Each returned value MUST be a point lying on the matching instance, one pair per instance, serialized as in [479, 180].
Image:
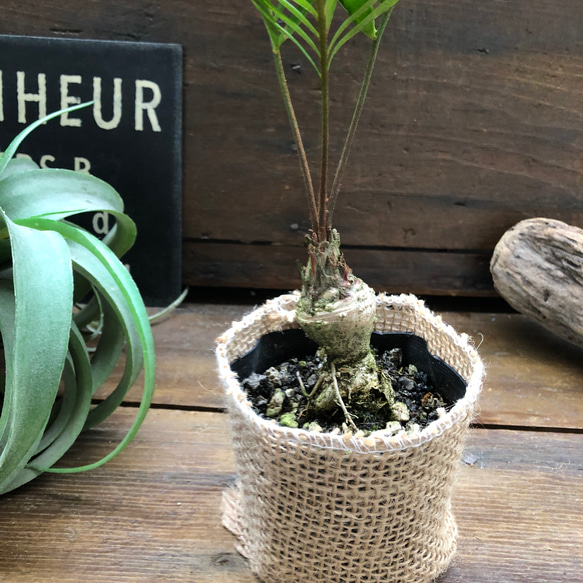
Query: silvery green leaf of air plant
[45, 263]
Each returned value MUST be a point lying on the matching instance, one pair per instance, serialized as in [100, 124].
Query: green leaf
[307, 6]
[17, 165]
[56, 193]
[329, 11]
[43, 284]
[360, 9]
[59, 194]
[293, 16]
[111, 340]
[44, 262]
[343, 35]
[68, 424]
[117, 321]
[132, 314]
[282, 24]
[13, 146]
[298, 10]
[7, 319]
[67, 402]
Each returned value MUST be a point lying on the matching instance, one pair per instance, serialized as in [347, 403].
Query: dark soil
[281, 393]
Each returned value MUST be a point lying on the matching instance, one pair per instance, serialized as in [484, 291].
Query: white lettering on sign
[114, 121]
[22, 96]
[147, 106]
[100, 223]
[80, 164]
[68, 100]
[100, 220]
[44, 161]
[147, 98]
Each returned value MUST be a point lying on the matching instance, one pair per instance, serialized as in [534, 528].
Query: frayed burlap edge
[277, 464]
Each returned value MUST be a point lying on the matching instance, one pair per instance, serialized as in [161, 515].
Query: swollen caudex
[341, 322]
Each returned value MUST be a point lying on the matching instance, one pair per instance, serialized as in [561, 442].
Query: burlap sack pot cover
[316, 507]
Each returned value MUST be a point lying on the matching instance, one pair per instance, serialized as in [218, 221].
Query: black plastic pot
[277, 347]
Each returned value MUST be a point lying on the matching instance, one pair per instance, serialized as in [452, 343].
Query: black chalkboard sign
[130, 137]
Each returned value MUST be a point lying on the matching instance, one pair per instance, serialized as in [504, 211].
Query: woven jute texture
[317, 507]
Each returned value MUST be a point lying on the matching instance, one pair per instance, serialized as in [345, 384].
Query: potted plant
[56, 280]
[369, 500]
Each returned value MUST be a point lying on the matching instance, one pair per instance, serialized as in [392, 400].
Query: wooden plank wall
[474, 122]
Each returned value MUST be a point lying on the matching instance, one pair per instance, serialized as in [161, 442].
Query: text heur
[147, 97]
[31, 104]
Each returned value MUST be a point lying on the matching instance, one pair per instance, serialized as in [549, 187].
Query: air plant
[336, 309]
[48, 265]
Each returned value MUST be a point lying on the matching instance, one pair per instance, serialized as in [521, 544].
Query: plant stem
[305, 168]
[355, 118]
[325, 96]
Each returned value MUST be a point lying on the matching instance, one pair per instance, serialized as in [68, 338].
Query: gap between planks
[474, 425]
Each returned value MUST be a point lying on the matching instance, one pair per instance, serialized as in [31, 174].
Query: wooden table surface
[152, 514]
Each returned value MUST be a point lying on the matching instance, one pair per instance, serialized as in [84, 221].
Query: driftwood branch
[537, 268]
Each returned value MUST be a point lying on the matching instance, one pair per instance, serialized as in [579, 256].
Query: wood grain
[149, 516]
[392, 270]
[473, 123]
[152, 513]
[186, 370]
[519, 509]
[533, 378]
